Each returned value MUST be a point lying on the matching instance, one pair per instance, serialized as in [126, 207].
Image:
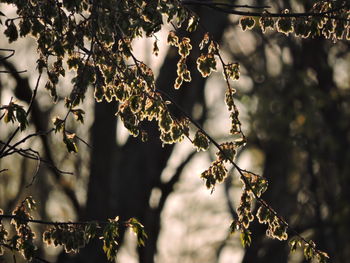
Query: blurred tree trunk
[302, 130]
[138, 176]
[122, 178]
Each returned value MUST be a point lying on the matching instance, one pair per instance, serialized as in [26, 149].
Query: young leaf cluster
[15, 113]
[72, 236]
[95, 40]
[23, 238]
[329, 19]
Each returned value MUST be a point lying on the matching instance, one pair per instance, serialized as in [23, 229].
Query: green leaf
[264, 215]
[234, 226]
[201, 141]
[246, 238]
[11, 31]
[204, 41]
[138, 230]
[192, 24]
[228, 151]
[294, 244]
[9, 114]
[232, 71]
[24, 27]
[172, 39]
[30, 202]
[58, 123]
[155, 50]
[21, 116]
[78, 114]
[109, 237]
[266, 22]
[206, 64]
[165, 121]
[184, 47]
[285, 24]
[309, 251]
[247, 22]
[70, 144]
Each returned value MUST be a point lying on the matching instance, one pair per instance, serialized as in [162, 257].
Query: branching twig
[29, 153]
[240, 171]
[3, 170]
[36, 170]
[194, 2]
[8, 151]
[6, 71]
[12, 52]
[14, 249]
[216, 6]
[2, 151]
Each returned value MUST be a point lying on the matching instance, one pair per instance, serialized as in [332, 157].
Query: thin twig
[25, 139]
[240, 171]
[191, 2]
[50, 223]
[6, 71]
[215, 6]
[56, 223]
[36, 170]
[3, 170]
[2, 151]
[81, 139]
[15, 249]
[30, 153]
[7, 50]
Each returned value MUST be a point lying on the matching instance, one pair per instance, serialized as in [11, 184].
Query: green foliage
[266, 22]
[232, 71]
[11, 31]
[294, 244]
[15, 112]
[245, 215]
[68, 139]
[23, 239]
[72, 236]
[246, 238]
[201, 141]
[216, 173]
[78, 114]
[109, 237]
[332, 25]
[95, 41]
[285, 25]
[206, 64]
[192, 23]
[247, 22]
[227, 151]
[138, 230]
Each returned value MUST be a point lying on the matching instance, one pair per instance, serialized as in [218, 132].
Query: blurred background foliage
[293, 97]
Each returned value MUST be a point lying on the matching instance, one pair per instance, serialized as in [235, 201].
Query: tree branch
[216, 6]
[2, 151]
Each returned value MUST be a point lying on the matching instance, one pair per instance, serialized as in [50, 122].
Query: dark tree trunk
[141, 164]
[102, 169]
[122, 179]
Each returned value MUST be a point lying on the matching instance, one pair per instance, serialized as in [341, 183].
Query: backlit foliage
[332, 24]
[95, 40]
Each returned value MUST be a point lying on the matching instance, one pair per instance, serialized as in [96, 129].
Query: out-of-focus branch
[38, 259]
[32, 154]
[2, 151]
[12, 52]
[23, 92]
[231, 9]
